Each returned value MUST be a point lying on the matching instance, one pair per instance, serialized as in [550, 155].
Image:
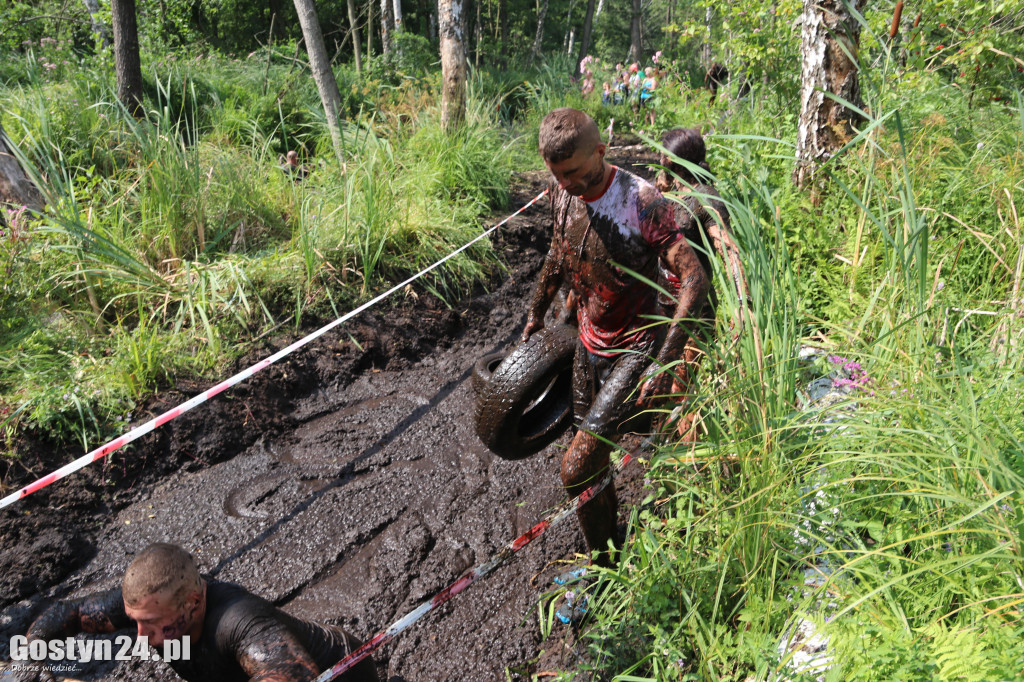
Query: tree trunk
[505, 42]
[634, 33]
[588, 25]
[542, 11]
[478, 31]
[707, 58]
[397, 4]
[568, 24]
[369, 30]
[322, 74]
[357, 48]
[127, 65]
[274, 10]
[387, 26]
[15, 186]
[98, 27]
[453, 64]
[829, 38]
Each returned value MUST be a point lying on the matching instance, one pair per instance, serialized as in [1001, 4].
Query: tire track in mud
[375, 495]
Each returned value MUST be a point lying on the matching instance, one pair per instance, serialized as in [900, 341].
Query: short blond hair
[161, 568]
[563, 132]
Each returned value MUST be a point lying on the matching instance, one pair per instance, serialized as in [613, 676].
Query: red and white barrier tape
[173, 413]
[471, 576]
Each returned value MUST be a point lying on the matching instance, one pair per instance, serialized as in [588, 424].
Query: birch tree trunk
[98, 27]
[387, 26]
[322, 74]
[453, 64]
[830, 40]
[568, 24]
[634, 33]
[127, 66]
[357, 48]
[369, 30]
[542, 11]
[478, 30]
[397, 5]
[15, 186]
[588, 25]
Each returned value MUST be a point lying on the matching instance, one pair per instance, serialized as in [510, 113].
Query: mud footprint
[245, 497]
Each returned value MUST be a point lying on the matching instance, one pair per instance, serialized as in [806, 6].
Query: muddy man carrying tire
[606, 221]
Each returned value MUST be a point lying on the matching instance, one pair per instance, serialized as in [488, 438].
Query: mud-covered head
[686, 144]
[164, 593]
[564, 132]
[571, 146]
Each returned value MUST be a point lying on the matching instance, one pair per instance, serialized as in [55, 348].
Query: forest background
[171, 242]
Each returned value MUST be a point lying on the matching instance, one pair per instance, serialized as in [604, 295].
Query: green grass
[171, 243]
[910, 490]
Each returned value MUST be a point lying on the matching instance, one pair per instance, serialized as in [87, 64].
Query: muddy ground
[344, 484]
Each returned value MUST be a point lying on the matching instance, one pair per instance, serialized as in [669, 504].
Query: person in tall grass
[703, 219]
[291, 166]
[715, 77]
[606, 221]
[232, 634]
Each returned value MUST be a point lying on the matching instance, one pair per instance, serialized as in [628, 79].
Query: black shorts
[605, 389]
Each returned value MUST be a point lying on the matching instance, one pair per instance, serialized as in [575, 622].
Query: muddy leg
[586, 463]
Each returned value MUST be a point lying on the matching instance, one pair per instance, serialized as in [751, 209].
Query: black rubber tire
[484, 369]
[527, 404]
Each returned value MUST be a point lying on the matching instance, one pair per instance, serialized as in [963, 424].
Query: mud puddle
[346, 487]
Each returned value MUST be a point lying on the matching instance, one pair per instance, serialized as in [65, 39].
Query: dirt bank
[344, 484]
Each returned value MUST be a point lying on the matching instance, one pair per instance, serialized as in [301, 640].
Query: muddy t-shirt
[701, 208]
[238, 628]
[627, 227]
[241, 627]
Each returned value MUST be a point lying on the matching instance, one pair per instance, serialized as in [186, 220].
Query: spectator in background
[714, 78]
[621, 89]
[635, 79]
[588, 83]
[647, 87]
[292, 168]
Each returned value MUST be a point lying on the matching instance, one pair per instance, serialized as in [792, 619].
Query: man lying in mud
[232, 634]
[606, 220]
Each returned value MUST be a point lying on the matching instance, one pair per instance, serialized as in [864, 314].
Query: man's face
[581, 174]
[159, 618]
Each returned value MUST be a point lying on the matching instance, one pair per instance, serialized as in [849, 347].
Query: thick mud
[345, 485]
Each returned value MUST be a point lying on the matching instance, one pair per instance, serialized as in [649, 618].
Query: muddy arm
[683, 262]
[277, 656]
[547, 288]
[726, 246]
[97, 613]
